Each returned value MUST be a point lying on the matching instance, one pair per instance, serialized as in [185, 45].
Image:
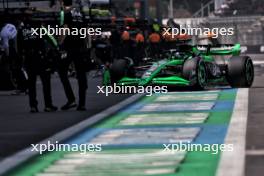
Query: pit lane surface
[133, 139]
[19, 128]
[255, 128]
[254, 162]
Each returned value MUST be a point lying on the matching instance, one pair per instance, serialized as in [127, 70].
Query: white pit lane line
[232, 163]
[258, 62]
[186, 97]
[165, 107]
[255, 152]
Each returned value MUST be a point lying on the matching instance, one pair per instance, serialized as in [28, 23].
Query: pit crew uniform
[36, 63]
[154, 41]
[140, 41]
[75, 48]
[8, 32]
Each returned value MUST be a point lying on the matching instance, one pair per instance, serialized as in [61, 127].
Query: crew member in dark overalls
[36, 63]
[127, 45]
[154, 42]
[140, 45]
[115, 41]
[75, 48]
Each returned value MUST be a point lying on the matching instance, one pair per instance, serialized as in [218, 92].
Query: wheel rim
[201, 75]
[249, 72]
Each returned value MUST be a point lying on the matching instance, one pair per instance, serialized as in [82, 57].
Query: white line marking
[258, 62]
[165, 107]
[171, 118]
[232, 163]
[259, 152]
[145, 136]
[186, 97]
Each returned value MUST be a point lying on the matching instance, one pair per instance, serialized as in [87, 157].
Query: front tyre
[194, 70]
[121, 68]
[118, 70]
[240, 72]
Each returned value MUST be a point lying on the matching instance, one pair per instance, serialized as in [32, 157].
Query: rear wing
[221, 49]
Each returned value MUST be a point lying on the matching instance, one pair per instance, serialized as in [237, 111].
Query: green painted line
[227, 96]
[192, 165]
[36, 164]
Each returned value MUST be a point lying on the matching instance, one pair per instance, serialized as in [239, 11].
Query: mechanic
[140, 45]
[127, 45]
[36, 63]
[103, 50]
[75, 48]
[8, 34]
[8, 46]
[154, 42]
[115, 41]
[19, 74]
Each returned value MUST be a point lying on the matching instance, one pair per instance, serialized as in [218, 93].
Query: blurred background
[18, 129]
[245, 16]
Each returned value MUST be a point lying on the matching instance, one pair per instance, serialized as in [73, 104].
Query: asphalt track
[19, 128]
[255, 128]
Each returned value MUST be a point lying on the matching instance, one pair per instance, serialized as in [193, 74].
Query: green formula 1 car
[186, 65]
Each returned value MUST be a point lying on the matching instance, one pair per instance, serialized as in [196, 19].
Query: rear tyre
[240, 72]
[194, 70]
